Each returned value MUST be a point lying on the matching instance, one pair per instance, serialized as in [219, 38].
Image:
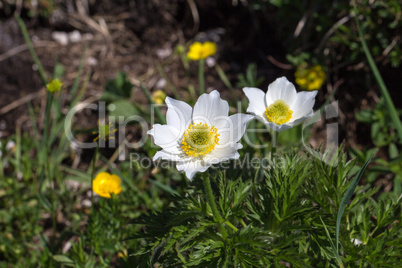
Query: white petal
[178, 114]
[210, 108]
[192, 167]
[278, 128]
[281, 89]
[166, 155]
[256, 98]
[300, 120]
[262, 119]
[223, 154]
[165, 136]
[303, 105]
[233, 132]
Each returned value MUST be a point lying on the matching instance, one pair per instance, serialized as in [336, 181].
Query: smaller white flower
[356, 241]
[281, 107]
[197, 138]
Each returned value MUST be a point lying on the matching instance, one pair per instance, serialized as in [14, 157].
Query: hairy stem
[214, 208]
[274, 137]
[93, 173]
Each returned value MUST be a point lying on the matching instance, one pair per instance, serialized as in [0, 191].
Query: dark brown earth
[136, 36]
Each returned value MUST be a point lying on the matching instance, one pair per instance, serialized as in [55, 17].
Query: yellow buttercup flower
[311, 78]
[54, 85]
[104, 131]
[159, 96]
[201, 50]
[106, 184]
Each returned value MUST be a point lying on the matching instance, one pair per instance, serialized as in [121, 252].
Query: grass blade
[337, 257]
[383, 88]
[158, 112]
[73, 97]
[346, 198]
[31, 49]
[223, 77]
[164, 187]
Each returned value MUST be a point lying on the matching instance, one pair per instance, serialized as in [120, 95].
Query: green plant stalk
[201, 78]
[45, 135]
[274, 138]
[18, 149]
[223, 76]
[93, 173]
[46, 144]
[384, 91]
[1, 168]
[186, 66]
[170, 85]
[31, 49]
[73, 97]
[212, 204]
[162, 119]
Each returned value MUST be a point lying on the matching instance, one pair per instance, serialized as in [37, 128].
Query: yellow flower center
[279, 112]
[199, 139]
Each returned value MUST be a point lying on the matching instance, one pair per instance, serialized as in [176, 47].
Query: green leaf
[164, 187]
[64, 260]
[118, 88]
[123, 108]
[365, 116]
[393, 151]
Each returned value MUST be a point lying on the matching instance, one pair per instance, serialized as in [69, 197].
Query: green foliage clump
[274, 220]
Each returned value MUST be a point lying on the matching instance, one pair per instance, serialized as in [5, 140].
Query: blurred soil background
[138, 37]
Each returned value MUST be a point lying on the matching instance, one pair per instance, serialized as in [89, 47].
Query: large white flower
[281, 107]
[197, 138]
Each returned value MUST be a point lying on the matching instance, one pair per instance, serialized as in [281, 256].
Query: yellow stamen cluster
[199, 139]
[279, 112]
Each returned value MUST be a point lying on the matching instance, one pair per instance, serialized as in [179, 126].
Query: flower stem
[93, 174]
[45, 141]
[214, 208]
[274, 136]
[201, 76]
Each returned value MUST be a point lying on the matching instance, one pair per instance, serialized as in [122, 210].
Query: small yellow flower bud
[54, 85]
[159, 96]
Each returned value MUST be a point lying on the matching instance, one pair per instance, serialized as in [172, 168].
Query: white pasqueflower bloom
[281, 107]
[197, 138]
